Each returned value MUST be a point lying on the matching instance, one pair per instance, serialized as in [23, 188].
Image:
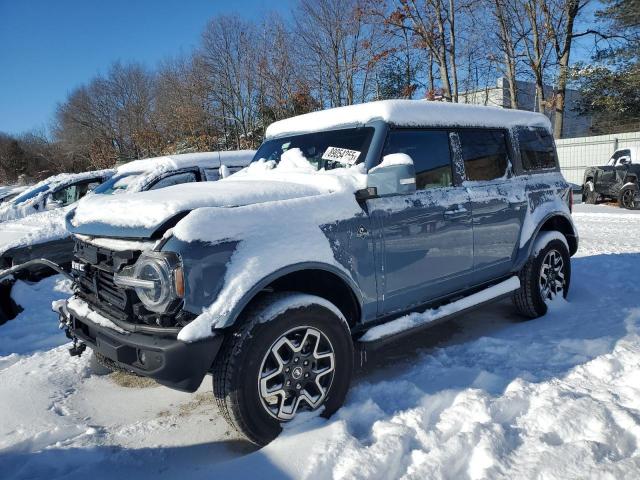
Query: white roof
[408, 113]
[236, 158]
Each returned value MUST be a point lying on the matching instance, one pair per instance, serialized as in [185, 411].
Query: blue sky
[48, 47]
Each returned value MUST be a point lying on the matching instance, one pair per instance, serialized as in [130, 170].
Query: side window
[484, 153]
[66, 196]
[430, 152]
[536, 148]
[212, 174]
[175, 179]
[622, 157]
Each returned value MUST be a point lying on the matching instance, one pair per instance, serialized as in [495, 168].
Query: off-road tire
[237, 366]
[589, 194]
[623, 200]
[528, 299]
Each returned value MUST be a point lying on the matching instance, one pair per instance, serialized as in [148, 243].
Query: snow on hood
[259, 183]
[408, 113]
[10, 210]
[274, 234]
[34, 229]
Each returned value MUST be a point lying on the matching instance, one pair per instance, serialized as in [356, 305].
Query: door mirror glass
[624, 160]
[395, 175]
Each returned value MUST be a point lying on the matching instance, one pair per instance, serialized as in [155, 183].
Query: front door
[426, 236]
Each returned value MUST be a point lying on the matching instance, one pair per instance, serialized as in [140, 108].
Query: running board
[408, 324]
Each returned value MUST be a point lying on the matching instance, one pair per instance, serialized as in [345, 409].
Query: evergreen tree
[610, 87]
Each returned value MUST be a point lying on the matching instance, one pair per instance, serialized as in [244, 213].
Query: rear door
[427, 238]
[498, 202]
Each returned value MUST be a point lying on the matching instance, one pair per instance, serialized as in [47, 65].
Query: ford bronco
[618, 179]
[351, 227]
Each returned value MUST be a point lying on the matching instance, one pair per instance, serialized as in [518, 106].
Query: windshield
[324, 150]
[117, 183]
[31, 193]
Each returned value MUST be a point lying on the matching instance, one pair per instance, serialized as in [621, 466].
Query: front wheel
[627, 198]
[545, 277]
[292, 353]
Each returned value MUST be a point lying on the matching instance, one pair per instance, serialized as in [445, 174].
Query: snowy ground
[484, 396]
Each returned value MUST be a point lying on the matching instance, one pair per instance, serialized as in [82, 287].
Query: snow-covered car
[44, 235]
[9, 192]
[618, 179]
[160, 172]
[52, 193]
[352, 227]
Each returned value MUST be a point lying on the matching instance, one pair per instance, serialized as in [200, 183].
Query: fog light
[142, 357]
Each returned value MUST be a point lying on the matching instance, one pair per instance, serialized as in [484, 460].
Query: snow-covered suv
[352, 226]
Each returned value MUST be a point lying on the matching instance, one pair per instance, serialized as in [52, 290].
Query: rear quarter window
[537, 150]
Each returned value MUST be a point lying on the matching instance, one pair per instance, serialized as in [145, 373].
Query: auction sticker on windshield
[342, 155]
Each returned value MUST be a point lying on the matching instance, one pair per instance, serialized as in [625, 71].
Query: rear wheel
[589, 194]
[627, 198]
[545, 277]
[280, 362]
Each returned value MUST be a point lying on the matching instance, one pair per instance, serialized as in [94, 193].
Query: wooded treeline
[246, 74]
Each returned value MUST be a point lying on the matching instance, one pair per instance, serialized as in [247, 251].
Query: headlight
[157, 278]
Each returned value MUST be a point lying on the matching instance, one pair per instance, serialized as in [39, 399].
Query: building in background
[575, 125]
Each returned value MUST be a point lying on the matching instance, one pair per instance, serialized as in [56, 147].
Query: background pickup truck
[617, 180]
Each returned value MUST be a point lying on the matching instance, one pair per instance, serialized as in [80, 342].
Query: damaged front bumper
[169, 361]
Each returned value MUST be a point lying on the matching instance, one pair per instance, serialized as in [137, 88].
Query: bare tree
[560, 17]
[227, 59]
[508, 40]
[110, 118]
[336, 47]
[532, 29]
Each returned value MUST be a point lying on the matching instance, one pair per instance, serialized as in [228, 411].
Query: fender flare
[525, 251]
[234, 313]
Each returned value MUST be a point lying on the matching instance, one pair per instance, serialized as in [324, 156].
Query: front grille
[95, 280]
[96, 287]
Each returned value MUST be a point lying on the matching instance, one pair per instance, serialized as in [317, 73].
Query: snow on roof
[202, 159]
[66, 178]
[408, 113]
[23, 204]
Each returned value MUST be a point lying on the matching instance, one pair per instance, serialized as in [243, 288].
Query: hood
[145, 214]
[9, 211]
[141, 214]
[33, 230]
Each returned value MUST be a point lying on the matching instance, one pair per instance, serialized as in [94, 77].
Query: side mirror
[51, 204]
[624, 160]
[395, 175]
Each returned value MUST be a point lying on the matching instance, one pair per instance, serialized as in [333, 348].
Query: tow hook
[77, 349]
